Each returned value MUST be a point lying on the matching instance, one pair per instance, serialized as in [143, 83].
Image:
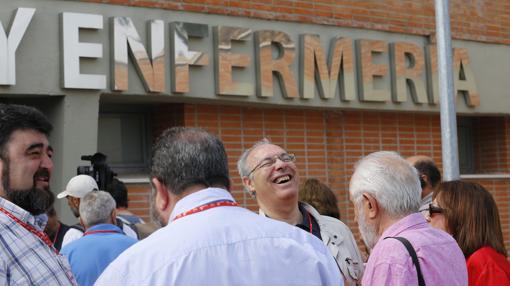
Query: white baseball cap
[79, 186]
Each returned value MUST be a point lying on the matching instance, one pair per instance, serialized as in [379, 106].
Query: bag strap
[414, 257]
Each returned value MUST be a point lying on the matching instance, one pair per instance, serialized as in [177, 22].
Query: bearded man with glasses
[269, 174]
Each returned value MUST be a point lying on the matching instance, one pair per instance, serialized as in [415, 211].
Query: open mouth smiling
[282, 179]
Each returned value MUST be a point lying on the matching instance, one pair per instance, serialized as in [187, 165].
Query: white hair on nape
[96, 208]
[390, 179]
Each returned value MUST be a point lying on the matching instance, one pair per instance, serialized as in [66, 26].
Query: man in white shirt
[207, 239]
[76, 189]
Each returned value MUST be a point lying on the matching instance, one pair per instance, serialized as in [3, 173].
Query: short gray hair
[390, 179]
[96, 207]
[241, 163]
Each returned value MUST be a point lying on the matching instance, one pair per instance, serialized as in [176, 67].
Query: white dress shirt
[224, 245]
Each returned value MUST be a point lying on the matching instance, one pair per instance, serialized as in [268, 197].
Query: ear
[114, 216]
[83, 224]
[162, 199]
[370, 205]
[247, 183]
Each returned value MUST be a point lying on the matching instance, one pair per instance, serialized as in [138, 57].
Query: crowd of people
[417, 229]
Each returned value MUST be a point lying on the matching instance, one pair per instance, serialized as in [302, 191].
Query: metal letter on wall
[340, 71]
[432, 77]
[151, 70]
[73, 50]
[225, 60]
[369, 71]
[408, 77]
[266, 65]
[182, 57]
[464, 80]
[9, 44]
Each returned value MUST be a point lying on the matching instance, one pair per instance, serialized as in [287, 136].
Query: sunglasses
[432, 209]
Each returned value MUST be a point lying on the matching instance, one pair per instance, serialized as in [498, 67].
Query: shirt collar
[408, 222]
[105, 226]
[22, 214]
[200, 198]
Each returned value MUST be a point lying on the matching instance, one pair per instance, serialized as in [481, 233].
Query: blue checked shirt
[24, 258]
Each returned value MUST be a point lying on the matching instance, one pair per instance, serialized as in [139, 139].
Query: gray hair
[241, 163]
[96, 207]
[391, 180]
[183, 157]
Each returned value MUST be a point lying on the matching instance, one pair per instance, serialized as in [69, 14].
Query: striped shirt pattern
[24, 258]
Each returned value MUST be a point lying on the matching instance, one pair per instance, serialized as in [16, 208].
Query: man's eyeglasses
[268, 162]
[432, 209]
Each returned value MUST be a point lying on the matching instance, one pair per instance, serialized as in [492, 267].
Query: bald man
[430, 177]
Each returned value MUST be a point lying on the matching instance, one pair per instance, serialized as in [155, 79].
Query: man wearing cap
[76, 189]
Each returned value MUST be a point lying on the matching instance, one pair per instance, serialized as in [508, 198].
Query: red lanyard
[221, 203]
[56, 234]
[30, 228]
[100, 231]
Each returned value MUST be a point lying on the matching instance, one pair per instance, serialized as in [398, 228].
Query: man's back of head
[389, 179]
[429, 173]
[96, 208]
[119, 193]
[184, 157]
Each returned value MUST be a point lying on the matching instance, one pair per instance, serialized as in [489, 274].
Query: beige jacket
[341, 243]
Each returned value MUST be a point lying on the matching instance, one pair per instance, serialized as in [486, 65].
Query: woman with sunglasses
[469, 213]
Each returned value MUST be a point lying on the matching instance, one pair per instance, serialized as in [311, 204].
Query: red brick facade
[327, 143]
[485, 21]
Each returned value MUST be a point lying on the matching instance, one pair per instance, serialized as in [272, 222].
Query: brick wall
[326, 144]
[484, 20]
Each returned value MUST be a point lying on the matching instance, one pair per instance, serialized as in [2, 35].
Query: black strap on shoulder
[410, 249]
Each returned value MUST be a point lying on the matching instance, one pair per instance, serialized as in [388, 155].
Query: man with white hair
[102, 241]
[386, 194]
[270, 175]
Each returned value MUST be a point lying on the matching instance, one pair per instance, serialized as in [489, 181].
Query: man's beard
[155, 216]
[33, 200]
[368, 232]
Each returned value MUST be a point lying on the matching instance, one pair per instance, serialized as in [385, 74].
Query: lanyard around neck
[100, 231]
[215, 204]
[41, 235]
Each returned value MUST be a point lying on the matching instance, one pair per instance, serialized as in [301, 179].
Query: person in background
[319, 196]
[430, 178]
[77, 187]
[469, 213]
[406, 250]
[27, 256]
[206, 238]
[119, 193]
[102, 241]
[55, 229]
[269, 174]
